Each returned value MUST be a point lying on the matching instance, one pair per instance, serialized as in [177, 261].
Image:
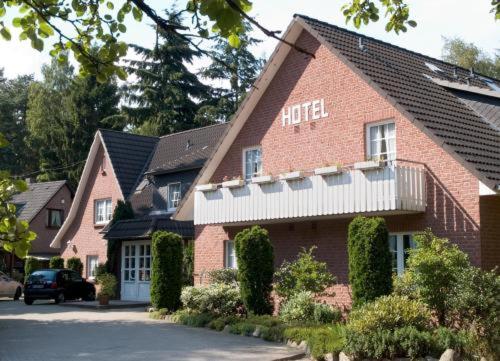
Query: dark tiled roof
[185, 150]
[142, 228]
[31, 202]
[129, 155]
[404, 76]
[486, 107]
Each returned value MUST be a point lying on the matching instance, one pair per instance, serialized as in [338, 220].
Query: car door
[76, 281]
[4, 285]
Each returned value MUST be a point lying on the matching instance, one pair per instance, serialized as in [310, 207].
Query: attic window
[493, 85]
[434, 68]
[103, 165]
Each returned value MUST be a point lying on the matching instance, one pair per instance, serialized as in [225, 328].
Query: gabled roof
[185, 150]
[407, 80]
[31, 202]
[129, 155]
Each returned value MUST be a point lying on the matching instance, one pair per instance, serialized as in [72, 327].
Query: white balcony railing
[391, 189]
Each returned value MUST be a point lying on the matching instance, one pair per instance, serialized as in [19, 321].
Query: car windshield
[38, 276]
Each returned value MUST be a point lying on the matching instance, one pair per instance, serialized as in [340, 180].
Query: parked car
[10, 287]
[57, 284]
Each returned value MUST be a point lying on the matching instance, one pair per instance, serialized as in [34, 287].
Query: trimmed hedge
[75, 264]
[370, 269]
[30, 265]
[255, 256]
[166, 273]
[56, 262]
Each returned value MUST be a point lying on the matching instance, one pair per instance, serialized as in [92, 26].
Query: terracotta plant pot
[103, 300]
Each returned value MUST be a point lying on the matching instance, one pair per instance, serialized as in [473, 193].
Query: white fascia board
[186, 210]
[484, 190]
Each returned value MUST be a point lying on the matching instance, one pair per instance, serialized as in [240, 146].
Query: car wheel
[28, 301]
[59, 298]
[19, 291]
[90, 296]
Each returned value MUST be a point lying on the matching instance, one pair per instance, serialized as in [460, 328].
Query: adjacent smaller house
[44, 205]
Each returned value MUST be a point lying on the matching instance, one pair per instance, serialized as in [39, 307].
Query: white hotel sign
[298, 113]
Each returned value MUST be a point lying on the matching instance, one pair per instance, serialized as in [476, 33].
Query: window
[55, 218]
[381, 141]
[92, 263]
[230, 261]
[174, 196]
[252, 159]
[399, 244]
[103, 211]
[129, 263]
[144, 263]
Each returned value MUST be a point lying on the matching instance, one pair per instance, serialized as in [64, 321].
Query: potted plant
[107, 283]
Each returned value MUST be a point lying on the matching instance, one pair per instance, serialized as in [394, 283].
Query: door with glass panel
[136, 271]
[399, 244]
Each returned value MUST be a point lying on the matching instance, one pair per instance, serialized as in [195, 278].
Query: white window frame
[172, 209]
[91, 258]
[108, 211]
[368, 126]
[244, 167]
[400, 257]
[226, 255]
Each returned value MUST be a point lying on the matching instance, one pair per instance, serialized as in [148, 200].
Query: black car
[57, 284]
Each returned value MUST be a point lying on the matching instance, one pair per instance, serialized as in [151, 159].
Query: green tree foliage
[122, 211]
[75, 264]
[31, 264]
[166, 273]
[65, 111]
[166, 95]
[237, 65]
[370, 268]
[469, 56]
[305, 274]
[188, 264]
[18, 158]
[15, 235]
[255, 256]
[432, 271]
[56, 262]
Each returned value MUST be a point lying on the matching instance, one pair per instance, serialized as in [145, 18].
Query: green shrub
[158, 315]
[100, 269]
[218, 324]
[228, 276]
[320, 339]
[166, 273]
[370, 268]
[445, 338]
[242, 328]
[75, 264]
[324, 313]
[108, 283]
[298, 308]
[192, 319]
[217, 299]
[274, 333]
[30, 265]
[264, 320]
[56, 262]
[303, 274]
[255, 256]
[389, 313]
[188, 264]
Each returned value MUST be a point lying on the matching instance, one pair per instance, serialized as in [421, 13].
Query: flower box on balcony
[263, 179]
[324, 171]
[291, 176]
[369, 164]
[206, 187]
[234, 183]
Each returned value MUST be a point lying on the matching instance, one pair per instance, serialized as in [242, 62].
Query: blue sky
[467, 19]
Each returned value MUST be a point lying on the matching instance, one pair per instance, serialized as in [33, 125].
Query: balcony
[367, 190]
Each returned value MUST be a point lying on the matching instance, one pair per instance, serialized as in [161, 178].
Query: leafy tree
[255, 256]
[370, 267]
[164, 98]
[239, 66]
[188, 264]
[65, 112]
[75, 264]
[166, 272]
[469, 56]
[56, 262]
[15, 235]
[18, 158]
[122, 211]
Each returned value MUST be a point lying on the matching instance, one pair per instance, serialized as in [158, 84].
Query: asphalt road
[47, 332]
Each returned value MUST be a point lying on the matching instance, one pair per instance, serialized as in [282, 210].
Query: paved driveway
[47, 332]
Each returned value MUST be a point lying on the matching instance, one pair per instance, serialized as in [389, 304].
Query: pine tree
[239, 67]
[167, 95]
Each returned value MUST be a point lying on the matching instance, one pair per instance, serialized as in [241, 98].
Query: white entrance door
[136, 270]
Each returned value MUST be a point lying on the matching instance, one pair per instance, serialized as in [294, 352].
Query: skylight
[493, 85]
[434, 68]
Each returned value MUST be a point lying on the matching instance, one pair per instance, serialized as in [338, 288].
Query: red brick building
[360, 128]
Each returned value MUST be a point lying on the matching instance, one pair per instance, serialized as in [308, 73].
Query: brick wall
[45, 235]
[83, 233]
[453, 195]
